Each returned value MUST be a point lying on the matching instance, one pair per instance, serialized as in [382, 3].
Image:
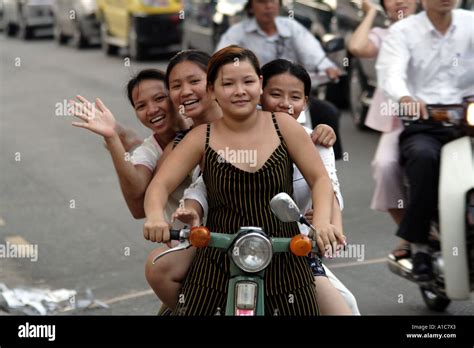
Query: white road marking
[358, 263]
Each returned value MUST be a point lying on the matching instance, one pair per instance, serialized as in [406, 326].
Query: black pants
[420, 149]
[323, 112]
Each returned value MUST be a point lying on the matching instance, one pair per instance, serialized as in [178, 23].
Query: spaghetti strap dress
[239, 198]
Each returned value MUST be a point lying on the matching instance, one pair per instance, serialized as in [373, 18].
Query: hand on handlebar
[329, 239]
[156, 230]
[410, 107]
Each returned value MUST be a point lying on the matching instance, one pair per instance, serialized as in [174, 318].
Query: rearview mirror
[285, 208]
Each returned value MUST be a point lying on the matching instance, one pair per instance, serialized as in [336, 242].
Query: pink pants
[388, 175]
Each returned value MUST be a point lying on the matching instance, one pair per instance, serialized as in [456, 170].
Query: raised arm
[133, 179]
[308, 161]
[180, 162]
[359, 44]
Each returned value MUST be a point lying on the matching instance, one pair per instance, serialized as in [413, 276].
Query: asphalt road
[59, 190]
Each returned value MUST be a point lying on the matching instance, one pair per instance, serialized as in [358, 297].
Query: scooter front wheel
[434, 301]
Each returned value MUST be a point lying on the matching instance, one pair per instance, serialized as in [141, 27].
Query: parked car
[76, 20]
[25, 17]
[140, 26]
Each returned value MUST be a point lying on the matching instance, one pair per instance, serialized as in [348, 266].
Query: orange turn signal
[301, 245]
[199, 236]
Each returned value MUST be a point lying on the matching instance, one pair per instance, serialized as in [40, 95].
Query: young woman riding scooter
[186, 81]
[237, 88]
[286, 87]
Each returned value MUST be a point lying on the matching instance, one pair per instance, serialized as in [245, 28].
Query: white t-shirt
[148, 154]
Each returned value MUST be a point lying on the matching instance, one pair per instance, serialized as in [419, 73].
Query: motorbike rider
[425, 59]
[186, 82]
[271, 36]
[286, 88]
[237, 88]
[386, 171]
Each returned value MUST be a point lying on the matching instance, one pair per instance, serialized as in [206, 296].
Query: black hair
[146, 74]
[248, 7]
[199, 57]
[282, 66]
[382, 3]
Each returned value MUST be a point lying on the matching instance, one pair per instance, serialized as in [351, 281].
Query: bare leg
[167, 274]
[330, 300]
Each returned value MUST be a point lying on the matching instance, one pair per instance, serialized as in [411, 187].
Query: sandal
[403, 251]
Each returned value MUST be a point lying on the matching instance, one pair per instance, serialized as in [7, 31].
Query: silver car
[75, 20]
[26, 16]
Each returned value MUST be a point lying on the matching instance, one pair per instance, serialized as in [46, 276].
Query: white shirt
[418, 61]
[301, 190]
[294, 41]
[147, 154]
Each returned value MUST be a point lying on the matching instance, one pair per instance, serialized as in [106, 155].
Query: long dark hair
[200, 58]
[282, 66]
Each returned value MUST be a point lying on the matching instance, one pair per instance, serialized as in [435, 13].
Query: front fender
[456, 178]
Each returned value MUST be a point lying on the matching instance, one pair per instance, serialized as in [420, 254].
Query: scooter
[250, 249]
[452, 249]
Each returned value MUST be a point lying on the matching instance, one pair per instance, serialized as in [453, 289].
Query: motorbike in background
[452, 247]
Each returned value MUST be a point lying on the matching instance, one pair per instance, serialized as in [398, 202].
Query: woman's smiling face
[187, 88]
[237, 88]
[284, 93]
[152, 105]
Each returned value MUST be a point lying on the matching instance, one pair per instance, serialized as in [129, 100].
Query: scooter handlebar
[174, 234]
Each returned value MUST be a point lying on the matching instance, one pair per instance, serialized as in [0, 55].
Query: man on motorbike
[424, 60]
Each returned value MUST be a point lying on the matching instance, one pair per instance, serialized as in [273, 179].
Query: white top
[292, 42]
[148, 154]
[301, 190]
[416, 60]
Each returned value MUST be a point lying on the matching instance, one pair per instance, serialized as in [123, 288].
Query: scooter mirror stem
[304, 221]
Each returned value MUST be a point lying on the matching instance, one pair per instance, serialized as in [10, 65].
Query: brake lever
[184, 244]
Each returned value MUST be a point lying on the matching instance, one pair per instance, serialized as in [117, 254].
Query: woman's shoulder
[284, 120]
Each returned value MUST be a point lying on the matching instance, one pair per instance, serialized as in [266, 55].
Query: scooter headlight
[252, 252]
[470, 115]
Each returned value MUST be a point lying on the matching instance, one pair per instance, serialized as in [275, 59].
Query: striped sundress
[239, 198]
